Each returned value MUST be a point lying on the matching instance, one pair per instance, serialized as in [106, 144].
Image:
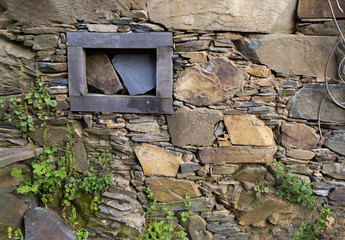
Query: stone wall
[247, 89]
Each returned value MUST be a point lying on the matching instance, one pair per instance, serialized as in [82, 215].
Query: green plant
[82, 233]
[310, 230]
[105, 160]
[15, 234]
[163, 229]
[260, 189]
[292, 188]
[36, 103]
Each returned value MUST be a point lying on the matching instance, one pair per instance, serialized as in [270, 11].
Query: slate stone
[248, 130]
[137, 70]
[9, 183]
[196, 227]
[224, 228]
[144, 127]
[42, 223]
[297, 54]
[237, 154]
[80, 155]
[235, 16]
[326, 28]
[169, 190]
[189, 167]
[45, 42]
[300, 154]
[193, 127]
[47, 67]
[334, 170]
[54, 136]
[101, 75]
[261, 212]
[12, 211]
[305, 103]
[324, 155]
[158, 137]
[192, 46]
[157, 161]
[338, 194]
[261, 110]
[101, 28]
[15, 154]
[337, 144]
[212, 82]
[201, 204]
[225, 169]
[247, 104]
[250, 174]
[298, 135]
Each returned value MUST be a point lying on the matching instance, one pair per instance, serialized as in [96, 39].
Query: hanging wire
[341, 68]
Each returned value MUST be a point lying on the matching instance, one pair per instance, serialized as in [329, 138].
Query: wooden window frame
[82, 101]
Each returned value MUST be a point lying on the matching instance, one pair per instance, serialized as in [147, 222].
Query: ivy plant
[164, 229]
[36, 103]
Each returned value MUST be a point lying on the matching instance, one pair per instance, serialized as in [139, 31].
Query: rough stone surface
[335, 170]
[298, 135]
[261, 212]
[337, 144]
[305, 103]
[137, 69]
[225, 169]
[156, 161]
[189, 167]
[297, 54]
[191, 46]
[15, 154]
[248, 130]
[145, 127]
[7, 182]
[212, 82]
[44, 42]
[54, 136]
[158, 137]
[198, 205]
[326, 28]
[42, 223]
[300, 154]
[65, 11]
[81, 160]
[193, 127]
[196, 227]
[324, 155]
[168, 190]
[11, 213]
[237, 154]
[338, 195]
[250, 174]
[101, 75]
[238, 16]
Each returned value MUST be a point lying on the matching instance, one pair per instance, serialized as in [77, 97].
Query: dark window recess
[129, 72]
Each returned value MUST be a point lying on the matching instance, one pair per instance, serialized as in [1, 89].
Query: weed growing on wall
[296, 191]
[16, 234]
[34, 104]
[260, 189]
[164, 229]
[55, 177]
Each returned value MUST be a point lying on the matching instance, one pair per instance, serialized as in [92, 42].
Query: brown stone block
[237, 154]
[101, 75]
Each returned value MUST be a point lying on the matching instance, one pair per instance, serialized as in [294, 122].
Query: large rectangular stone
[225, 15]
[292, 54]
[237, 154]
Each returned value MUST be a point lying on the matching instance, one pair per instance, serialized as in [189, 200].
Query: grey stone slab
[137, 70]
[337, 144]
[15, 154]
[42, 223]
[306, 102]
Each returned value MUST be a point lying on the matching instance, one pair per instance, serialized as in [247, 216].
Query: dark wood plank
[309, 9]
[76, 71]
[120, 104]
[119, 40]
[164, 72]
